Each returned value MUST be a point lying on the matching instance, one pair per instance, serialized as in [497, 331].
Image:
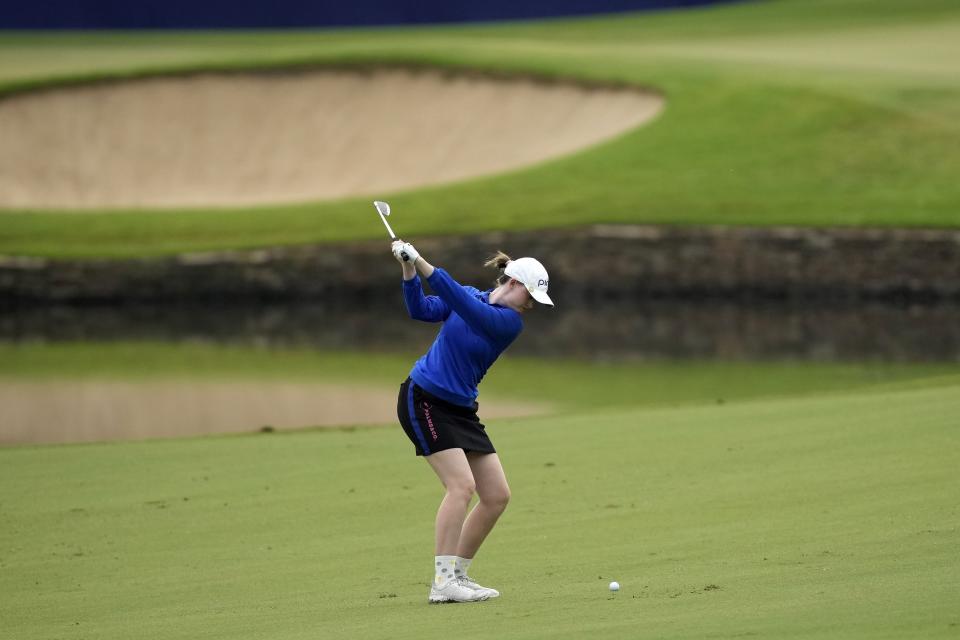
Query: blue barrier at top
[216, 14]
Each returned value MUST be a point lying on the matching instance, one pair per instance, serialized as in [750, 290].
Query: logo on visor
[543, 283]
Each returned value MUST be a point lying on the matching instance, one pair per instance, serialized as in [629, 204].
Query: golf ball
[614, 586]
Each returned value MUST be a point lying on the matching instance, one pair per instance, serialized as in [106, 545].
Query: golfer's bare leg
[454, 471]
[494, 494]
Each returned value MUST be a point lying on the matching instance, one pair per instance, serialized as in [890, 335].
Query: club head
[382, 207]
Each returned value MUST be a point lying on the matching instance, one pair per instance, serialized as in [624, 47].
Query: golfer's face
[520, 299]
[529, 301]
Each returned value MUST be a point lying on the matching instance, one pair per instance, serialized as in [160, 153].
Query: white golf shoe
[468, 582]
[454, 591]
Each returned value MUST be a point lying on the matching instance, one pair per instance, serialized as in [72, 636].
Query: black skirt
[433, 424]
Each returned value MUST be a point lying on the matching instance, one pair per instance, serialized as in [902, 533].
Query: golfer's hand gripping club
[396, 247]
[405, 251]
[409, 253]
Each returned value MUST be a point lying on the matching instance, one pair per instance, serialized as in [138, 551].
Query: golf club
[384, 210]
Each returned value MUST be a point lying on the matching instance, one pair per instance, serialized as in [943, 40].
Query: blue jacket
[473, 335]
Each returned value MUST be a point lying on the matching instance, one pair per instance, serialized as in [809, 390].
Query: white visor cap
[531, 273]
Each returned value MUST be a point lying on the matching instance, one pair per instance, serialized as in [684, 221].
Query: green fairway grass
[825, 112]
[827, 516]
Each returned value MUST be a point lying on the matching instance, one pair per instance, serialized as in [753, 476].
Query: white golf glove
[406, 252]
[395, 249]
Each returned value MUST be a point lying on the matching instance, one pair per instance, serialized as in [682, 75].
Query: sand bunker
[95, 410]
[232, 139]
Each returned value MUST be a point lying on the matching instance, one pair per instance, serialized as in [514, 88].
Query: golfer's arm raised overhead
[421, 307]
[499, 324]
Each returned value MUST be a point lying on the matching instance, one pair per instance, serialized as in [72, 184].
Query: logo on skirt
[426, 414]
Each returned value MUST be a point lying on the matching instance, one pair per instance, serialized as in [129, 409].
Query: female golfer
[437, 405]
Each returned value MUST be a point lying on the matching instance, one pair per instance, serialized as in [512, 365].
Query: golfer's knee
[496, 500]
[462, 490]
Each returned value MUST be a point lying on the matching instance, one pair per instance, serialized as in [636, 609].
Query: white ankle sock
[461, 566]
[443, 569]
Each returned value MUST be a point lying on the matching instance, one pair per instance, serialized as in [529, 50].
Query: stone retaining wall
[655, 329]
[599, 262]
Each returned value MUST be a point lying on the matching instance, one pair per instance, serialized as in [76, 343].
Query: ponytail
[499, 261]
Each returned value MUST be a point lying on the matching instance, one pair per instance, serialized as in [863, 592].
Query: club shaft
[387, 225]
